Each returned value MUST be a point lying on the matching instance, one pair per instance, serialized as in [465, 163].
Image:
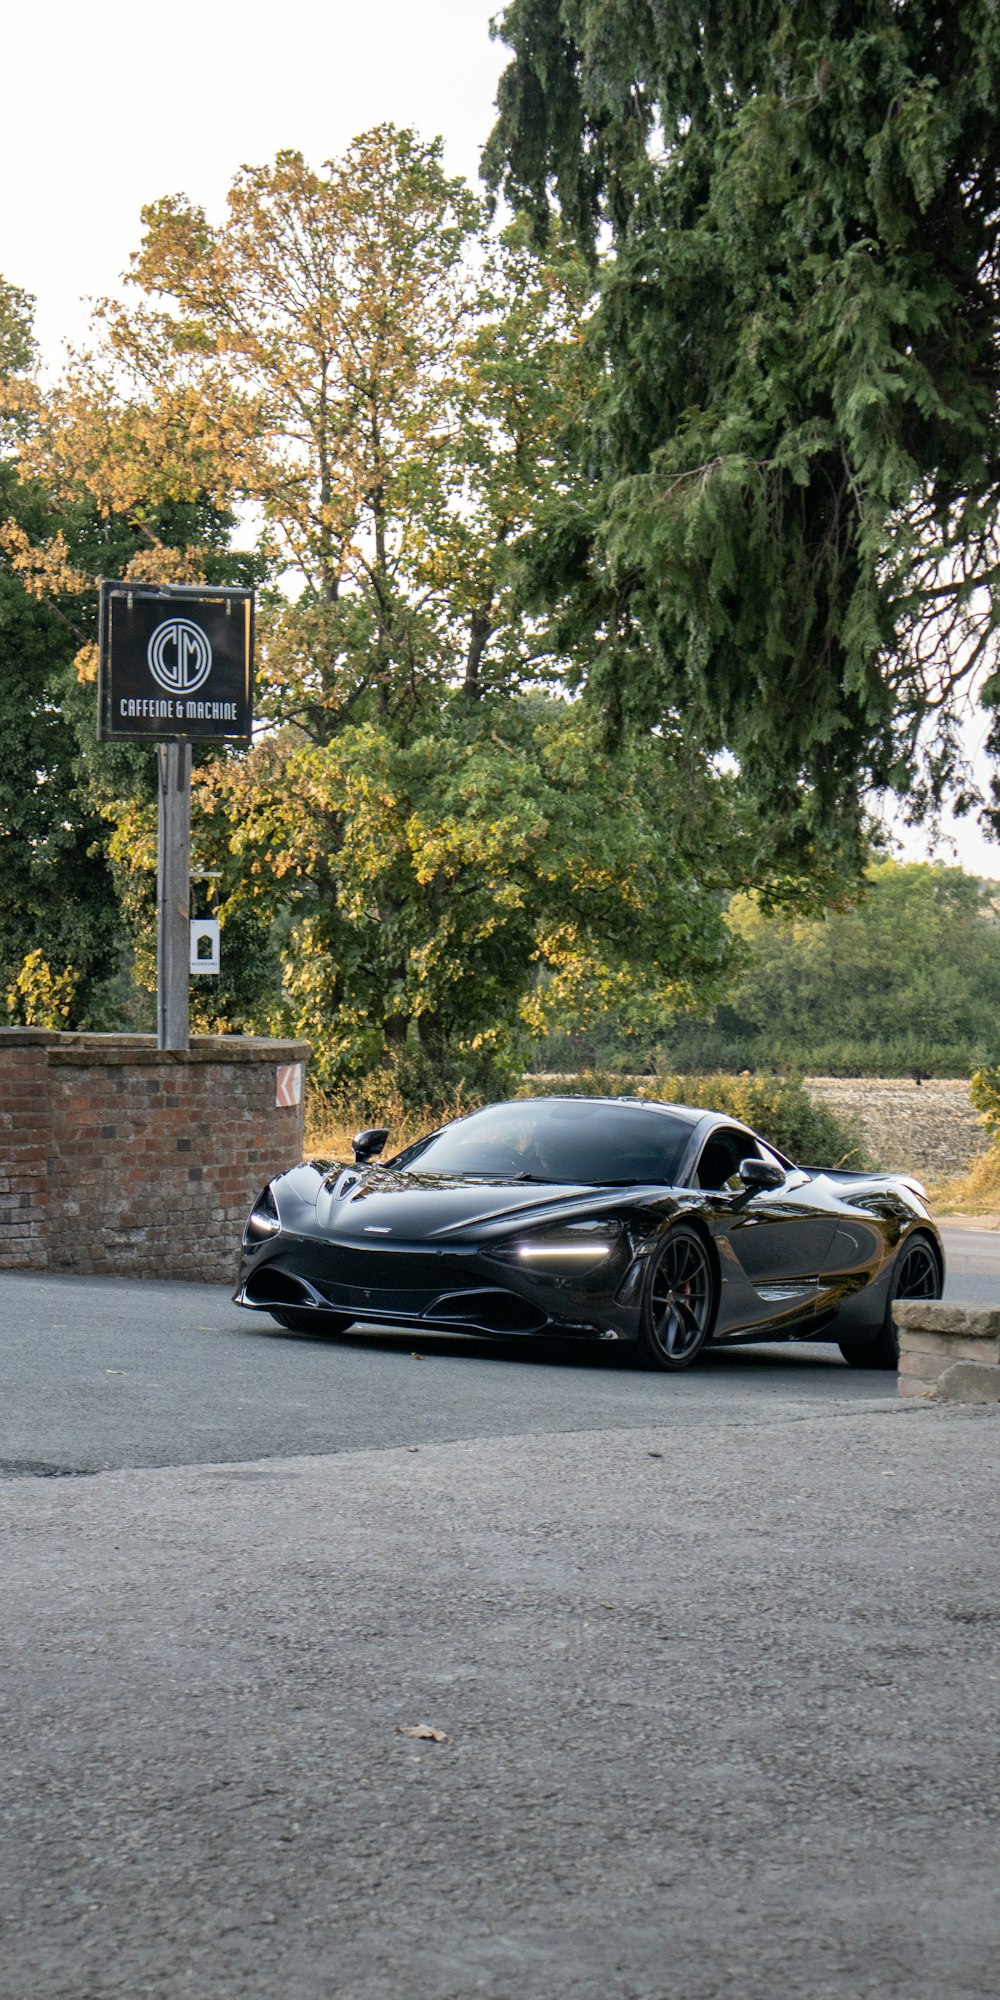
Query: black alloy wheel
[917, 1276]
[310, 1322]
[679, 1306]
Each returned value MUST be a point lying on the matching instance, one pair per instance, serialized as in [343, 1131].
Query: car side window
[719, 1164]
[720, 1158]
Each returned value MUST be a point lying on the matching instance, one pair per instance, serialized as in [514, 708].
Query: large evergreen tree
[797, 457]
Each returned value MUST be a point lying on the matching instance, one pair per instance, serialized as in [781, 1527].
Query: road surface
[714, 1659]
[97, 1373]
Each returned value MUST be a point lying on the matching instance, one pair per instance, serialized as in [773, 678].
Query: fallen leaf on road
[423, 1732]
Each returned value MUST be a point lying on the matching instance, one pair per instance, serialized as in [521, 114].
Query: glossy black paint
[811, 1257]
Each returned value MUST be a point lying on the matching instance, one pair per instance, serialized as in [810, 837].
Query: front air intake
[486, 1312]
[269, 1287]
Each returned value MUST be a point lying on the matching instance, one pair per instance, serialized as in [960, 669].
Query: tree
[424, 828]
[103, 480]
[356, 358]
[424, 823]
[59, 927]
[792, 528]
[905, 981]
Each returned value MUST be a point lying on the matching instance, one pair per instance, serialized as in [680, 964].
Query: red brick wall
[24, 1136]
[152, 1158]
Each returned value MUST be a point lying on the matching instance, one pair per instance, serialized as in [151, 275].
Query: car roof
[685, 1112]
[698, 1117]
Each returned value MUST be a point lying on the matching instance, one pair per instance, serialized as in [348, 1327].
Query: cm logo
[179, 655]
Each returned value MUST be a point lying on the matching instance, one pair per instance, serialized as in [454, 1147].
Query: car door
[779, 1236]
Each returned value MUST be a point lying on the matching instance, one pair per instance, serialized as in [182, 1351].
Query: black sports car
[602, 1218]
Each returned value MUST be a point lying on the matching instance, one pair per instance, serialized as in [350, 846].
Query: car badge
[376, 1229]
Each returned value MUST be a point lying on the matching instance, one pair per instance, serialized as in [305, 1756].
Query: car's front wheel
[310, 1322]
[679, 1304]
[917, 1276]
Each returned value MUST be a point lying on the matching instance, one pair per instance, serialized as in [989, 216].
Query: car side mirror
[757, 1175]
[369, 1144]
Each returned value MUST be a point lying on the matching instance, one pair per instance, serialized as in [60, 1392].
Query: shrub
[984, 1091]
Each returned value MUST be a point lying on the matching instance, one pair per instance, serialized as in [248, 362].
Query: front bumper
[454, 1290]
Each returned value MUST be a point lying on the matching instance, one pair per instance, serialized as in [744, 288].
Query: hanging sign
[176, 664]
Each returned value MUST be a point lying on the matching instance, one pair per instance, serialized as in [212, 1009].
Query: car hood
[371, 1203]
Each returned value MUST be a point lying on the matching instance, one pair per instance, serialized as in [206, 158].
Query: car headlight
[262, 1220]
[576, 1247]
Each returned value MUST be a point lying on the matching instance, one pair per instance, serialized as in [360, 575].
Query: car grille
[393, 1274]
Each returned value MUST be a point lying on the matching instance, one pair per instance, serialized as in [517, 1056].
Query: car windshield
[557, 1139]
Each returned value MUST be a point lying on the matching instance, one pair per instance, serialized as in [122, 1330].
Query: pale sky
[108, 104]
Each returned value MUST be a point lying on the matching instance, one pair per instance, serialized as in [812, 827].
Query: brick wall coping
[948, 1353]
[932, 1316]
[115, 1051]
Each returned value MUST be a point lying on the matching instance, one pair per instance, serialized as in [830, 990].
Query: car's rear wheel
[679, 1304]
[917, 1276]
[310, 1322]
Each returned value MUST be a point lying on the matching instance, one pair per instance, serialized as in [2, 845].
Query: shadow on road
[604, 1355]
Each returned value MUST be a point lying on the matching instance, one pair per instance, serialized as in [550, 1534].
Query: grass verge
[974, 1192]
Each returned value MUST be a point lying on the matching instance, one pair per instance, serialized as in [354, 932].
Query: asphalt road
[98, 1373]
[715, 1660]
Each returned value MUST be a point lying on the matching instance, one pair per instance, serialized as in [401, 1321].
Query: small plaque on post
[204, 945]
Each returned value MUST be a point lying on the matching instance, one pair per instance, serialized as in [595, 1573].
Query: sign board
[176, 663]
[205, 945]
[287, 1085]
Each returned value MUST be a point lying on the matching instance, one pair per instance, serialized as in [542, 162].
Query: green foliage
[18, 351]
[59, 928]
[77, 819]
[427, 882]
[410, 1094]
[906, 979]
[984, 1091]
[779, 1108]
[792, 536]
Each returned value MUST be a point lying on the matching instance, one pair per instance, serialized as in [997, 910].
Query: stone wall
[948, 1353]
[120, 1158]
[929, 1128]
